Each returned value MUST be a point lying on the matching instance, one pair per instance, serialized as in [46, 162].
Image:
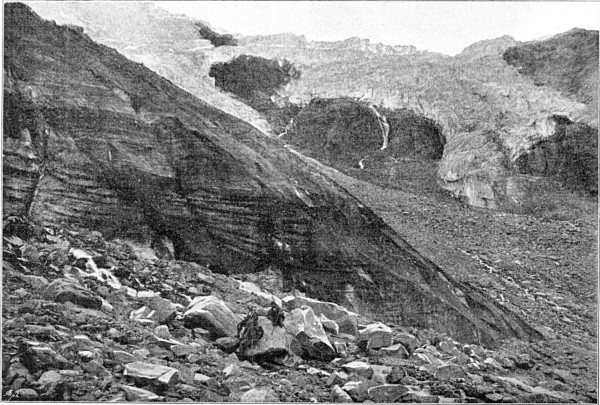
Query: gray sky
[446, 27]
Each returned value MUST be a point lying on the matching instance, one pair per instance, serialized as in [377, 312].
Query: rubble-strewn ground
[76, 326]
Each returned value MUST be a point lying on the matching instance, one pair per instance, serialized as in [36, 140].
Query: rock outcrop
[567, 62]
[343, 130]
[570, 154]
[116, 147]
[488, 113]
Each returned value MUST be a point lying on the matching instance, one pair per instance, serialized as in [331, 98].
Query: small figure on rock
[275, 315]
[252, 316]
[251, 331]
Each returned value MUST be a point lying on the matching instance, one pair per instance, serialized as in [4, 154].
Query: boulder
[450, 372]
[164, 310]
[273, 344]
[162, 331]
[41, 357]
[231, 370]
[26, 394]
[337, 378]
[410, 342]
[397, 350]
[387, 392]
[49, 378]
[201, 378]
[63, 290]
[94, 367]
[347, 321]
[307, 328]
[375, 336]
[263, 298]
[259, 395]
[329, 325]
[122, 357]
[338, 395]
[358, 390]
[360, 368]
[213, 315]
[138, 394]
[227, 344]
[151, 372]
[396, 375]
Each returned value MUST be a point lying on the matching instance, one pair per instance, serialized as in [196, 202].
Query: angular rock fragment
[122, 357]
[450, 372]
[307, 328]
[338, 395]
[375, 336]
[347, 321]
[62, 290]
[259, 395]
[213, 315]
[395, 350]
[360, 368]
[138, 394]
[151, 372]
[358, 390]
[387, 393]
[227, 344]
[329, 325]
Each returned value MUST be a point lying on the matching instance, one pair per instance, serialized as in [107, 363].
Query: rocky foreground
[88, 319]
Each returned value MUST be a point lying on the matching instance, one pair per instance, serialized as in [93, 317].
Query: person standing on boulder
[252, 317]
[252, 331]
[275, 315]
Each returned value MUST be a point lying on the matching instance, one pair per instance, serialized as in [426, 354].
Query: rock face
[116, 147]
[567, 62]
[346, 130]
[174, 46]
[487, 112]
[571, 154]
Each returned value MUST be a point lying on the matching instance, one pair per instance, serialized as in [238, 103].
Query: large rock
[338, 395]
[359, 368]
[62, 290]
[329, 325]
[116, 145]
[164, 310]
[274, 343]
[387, 393]
[358, 390]
[347, 321]
[305, 326]
[375, 336]
[152, 372]
[259, 395]
[395, 350]
[138, 394]
[213, 315]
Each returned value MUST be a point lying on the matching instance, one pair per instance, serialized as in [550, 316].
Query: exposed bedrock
[567, 62]
[91, 137]
[571, 154]
[348, 130]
